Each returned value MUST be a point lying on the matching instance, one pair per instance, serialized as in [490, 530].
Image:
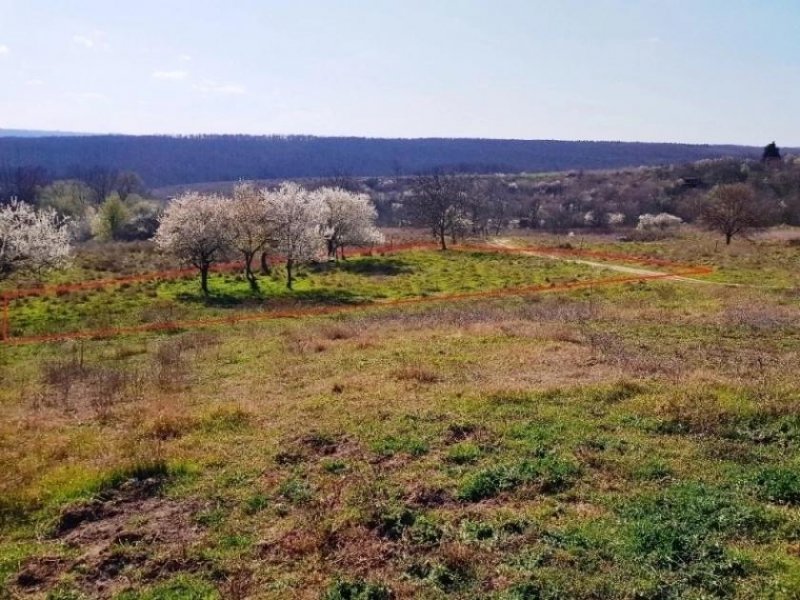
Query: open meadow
[638, 440]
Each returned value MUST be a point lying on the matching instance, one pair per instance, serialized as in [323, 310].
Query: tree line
[290, 224]
[170, 160]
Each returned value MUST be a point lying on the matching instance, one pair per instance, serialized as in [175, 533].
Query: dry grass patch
[418, 373]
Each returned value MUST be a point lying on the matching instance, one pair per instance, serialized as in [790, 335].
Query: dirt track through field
[630, 274]
[602, 265]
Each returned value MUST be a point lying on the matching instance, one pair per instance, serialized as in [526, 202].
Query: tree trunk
[204, 279]
[332, 249]
[728, 237]
[342, 251]
[248, 271]
[442, 239]
[289, 273]
[264, 264]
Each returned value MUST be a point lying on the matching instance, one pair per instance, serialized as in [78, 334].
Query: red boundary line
[6, 338]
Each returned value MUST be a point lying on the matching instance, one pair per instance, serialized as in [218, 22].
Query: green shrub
[391, 521]
[463, 453]
[392, 445]
[333, 465]
[684, 529]
[553, 473]
[295, 490]
[256, 503]
[425, 532]
[180, 588]
[357, 590]
[781, 485]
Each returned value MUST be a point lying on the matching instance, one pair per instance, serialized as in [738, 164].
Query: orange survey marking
[672, 270]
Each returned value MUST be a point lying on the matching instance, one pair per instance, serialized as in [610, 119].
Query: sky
[704, 71]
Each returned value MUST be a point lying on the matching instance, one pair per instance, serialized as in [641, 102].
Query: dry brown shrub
[172, 366]
[167, 425]
[70, 385]
[238, 584]
[759, 316]
[338, 331]
[163, 311]
[417, 372]
[107, 387]
[61, 376]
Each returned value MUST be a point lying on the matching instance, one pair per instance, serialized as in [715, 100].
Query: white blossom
[252, 228]
[350, 220]
[299, 218]
[195, 228]
[30, 240]
[662, 221]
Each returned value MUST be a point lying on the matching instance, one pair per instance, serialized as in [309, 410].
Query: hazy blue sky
[665, 70]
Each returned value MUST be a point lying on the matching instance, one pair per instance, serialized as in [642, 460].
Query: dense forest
[167, 160]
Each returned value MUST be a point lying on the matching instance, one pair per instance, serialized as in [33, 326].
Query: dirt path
[505, 243]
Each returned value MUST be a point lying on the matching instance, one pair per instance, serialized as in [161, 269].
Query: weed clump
[553, 474]
[357, 590]
[780, 485]
[463, 453]
[683, 531]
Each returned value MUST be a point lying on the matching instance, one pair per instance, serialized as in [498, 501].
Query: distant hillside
[36, 133]
[166, 160]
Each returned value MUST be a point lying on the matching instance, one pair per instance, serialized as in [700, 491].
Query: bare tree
[438, 203]
[128, 183]
[731, 209]
[101, 180]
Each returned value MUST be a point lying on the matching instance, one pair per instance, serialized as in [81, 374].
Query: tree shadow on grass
[321, 296]
[369, 266]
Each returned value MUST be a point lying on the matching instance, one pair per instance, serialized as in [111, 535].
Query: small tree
[731, 210]
[661, 221]
[350, 220]
[101, 180]
[111, 219]
[195, 229]
[31, 241]
[252, 227]
[299, 218]
[771, 153]
[128, 183]
[438, 203]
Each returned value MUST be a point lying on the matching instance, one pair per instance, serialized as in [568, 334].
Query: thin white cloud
[4, 50]
[170, 75]
[34, 82]
[184, 58]
[94, 39]
[212, 87]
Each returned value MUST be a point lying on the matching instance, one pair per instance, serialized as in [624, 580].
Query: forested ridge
[167, 160]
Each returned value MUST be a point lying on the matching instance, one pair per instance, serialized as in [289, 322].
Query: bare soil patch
[115, 537]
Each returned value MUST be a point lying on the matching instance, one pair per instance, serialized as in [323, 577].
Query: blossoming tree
[31, 241]
[196, 229]
[350, 220]
[299, 218]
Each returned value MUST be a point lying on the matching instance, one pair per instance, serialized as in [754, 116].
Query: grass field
[360, 280]
[637, 441]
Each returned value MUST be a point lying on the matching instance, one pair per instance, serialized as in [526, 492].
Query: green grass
[359, 280]
[636, 441]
